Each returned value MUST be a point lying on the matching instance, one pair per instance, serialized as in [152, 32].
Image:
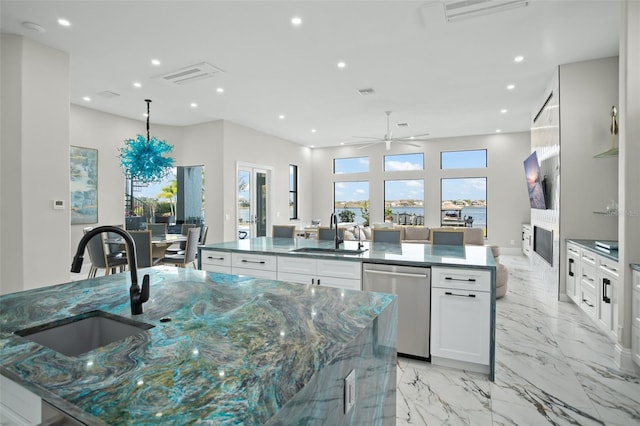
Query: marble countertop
[237, 349]
[591, 246]
[409, 254]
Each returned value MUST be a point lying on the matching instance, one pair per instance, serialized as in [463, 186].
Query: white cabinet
[18, 406]
[635, 318]
[215, 261]
[460, 315]
[331, 273]
[573, 273]
[254, 265]
[607, 313]
[527, 240]
[592, 283]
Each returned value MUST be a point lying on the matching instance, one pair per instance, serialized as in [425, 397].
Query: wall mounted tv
[535, 184]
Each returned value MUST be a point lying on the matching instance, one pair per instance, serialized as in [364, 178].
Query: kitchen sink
[327, 250]
[82, 333]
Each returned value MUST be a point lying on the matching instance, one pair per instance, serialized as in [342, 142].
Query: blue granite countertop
[410, 254]
[591, 246]
[237, 349]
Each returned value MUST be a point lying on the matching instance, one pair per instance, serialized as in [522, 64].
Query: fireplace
[543, 243]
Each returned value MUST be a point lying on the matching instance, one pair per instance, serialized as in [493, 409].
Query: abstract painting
[83, 185]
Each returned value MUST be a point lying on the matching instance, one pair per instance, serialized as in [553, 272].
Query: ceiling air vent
[108, 94]
[456, 10]
[402, 124]
[190, 74]
[366, 92]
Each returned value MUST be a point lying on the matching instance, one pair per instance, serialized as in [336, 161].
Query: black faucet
[333, 221]
[138, 296]
[360, 245]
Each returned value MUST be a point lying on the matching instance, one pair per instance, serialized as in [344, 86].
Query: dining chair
[100, 259]
[386, 236]
[157, 228]
[178, 248]
[452, 237]
[203, 235]
[144, 248]
[190, 252]
[326, 233]
[283, 231]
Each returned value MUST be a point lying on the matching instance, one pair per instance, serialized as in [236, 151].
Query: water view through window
[464, 202]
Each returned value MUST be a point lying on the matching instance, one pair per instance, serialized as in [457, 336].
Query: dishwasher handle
[396, 274]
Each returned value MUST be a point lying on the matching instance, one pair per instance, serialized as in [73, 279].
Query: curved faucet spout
[137, 295]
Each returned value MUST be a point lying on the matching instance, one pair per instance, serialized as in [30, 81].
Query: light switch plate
[349, 391]
[58, 204]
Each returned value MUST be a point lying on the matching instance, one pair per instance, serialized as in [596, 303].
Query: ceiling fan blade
[368, 137]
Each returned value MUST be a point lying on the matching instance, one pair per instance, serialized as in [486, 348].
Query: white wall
[507, 202]
[35, 168]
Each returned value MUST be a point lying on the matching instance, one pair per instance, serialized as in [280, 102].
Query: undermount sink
[83, 333]
[328, 250]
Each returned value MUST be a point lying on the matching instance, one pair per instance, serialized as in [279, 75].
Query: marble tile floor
[553, 367]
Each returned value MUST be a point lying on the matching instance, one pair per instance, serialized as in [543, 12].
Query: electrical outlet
[349, 391]
[513, 242]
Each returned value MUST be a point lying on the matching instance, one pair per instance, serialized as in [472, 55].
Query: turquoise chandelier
[145, 160]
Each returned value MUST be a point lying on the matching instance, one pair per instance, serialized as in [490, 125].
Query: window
[463, 159]
[403, 162]
[293, 191]
[350, 165]
[351, 201]
[404, 201]
[464, 202]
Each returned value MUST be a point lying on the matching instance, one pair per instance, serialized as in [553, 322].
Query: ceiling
[442, 78]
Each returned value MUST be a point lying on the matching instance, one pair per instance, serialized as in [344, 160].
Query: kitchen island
[223, 350]
[460, 286]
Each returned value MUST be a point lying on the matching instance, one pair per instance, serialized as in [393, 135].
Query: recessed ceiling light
[313, 130]
[312, 146]
[341, 143]
[145, 115]
[503, 111]
[194, 105]
[518, 58]
[281, 117]
[498, 131]
[511, 86]
[341, 64]
[136, 84]
[86, 98]
[64, 22]
[155, 62]
[296, 21]
[220, 90]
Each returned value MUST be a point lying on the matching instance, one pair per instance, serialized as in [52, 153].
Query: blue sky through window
[464, 189]
[404, 190]
[463, 159]
[403, 162]
[351, 191]
[351, 165]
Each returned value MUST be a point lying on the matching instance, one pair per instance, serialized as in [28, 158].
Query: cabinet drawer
[215, 258]
[253, 261]
[340, 283]
[255, 273]
[573, 249]
[608, 266]
[461, 279]
[339, 269]
[587, 257]
[296, 265]
[588, 277]
[294, 277]
[588, 301]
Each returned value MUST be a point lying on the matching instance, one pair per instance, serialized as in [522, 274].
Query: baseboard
[624, 360]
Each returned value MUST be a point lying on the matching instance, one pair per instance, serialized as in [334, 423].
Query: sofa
[422, 234]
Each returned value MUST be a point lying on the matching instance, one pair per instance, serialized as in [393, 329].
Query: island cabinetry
[460, 317]
[18, 406]
[573, 272]
[607, 312]
[254, 265]
[216, 261]
[635, 315]
[331, 273]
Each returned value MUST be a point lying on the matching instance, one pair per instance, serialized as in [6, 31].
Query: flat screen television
[535, 185]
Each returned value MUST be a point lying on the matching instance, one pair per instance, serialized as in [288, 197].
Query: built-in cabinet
[635, 316]
[331, 273]
[460, 315]
[216, 261]
[592, 283]
[527, 239]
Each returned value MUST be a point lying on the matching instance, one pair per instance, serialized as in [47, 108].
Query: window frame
[293, 190]
[486, 159]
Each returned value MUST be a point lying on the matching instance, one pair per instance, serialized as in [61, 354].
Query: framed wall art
[83, 185]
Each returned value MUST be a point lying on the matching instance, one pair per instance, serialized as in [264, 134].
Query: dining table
[159, 243]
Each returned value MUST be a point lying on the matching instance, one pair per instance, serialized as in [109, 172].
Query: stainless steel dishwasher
[412, 285]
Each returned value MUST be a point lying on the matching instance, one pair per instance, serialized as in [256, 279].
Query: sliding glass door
[252, 201]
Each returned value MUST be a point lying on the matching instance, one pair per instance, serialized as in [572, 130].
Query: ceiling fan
[388, 138]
